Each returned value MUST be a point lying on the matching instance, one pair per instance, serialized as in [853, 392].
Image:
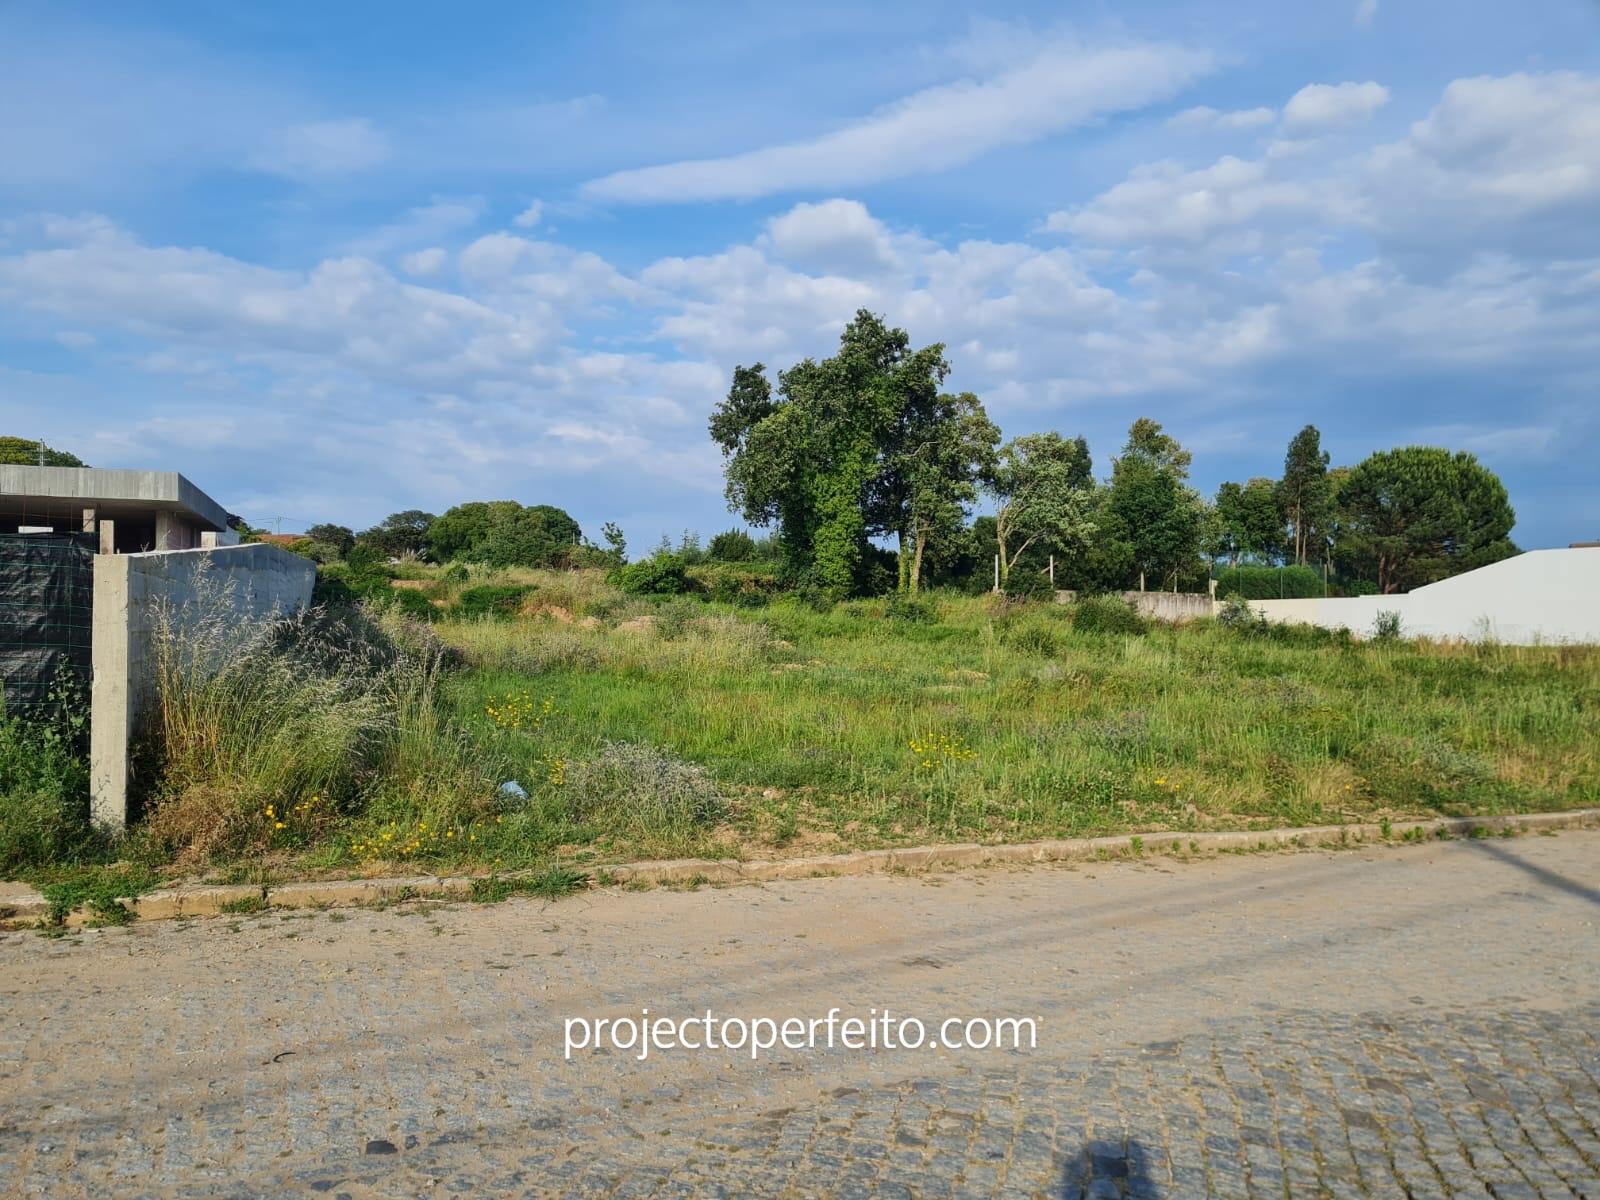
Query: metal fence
[46, 615]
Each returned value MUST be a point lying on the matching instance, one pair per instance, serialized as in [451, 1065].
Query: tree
[1305, 494]
[1248, 521]
[733, 545]
[1419, 514]
[504, 534]
[1044, 486]
[853, 446]
[401, 534]
[1149, 508]
[336, 537]
[616, 543]
[25, 452]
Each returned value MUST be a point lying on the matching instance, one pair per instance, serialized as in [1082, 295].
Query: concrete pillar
[111, 694]
[208, 539]
[166, 531]
[108, 537]
[88, 520]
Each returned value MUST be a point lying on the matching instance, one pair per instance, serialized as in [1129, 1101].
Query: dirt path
[1419, 1017]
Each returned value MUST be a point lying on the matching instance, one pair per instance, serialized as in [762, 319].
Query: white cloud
[420, 225]
[1366, 13]
[1321, 106]
[1206, 117]
[1162, 201]
[835, 236]
[424, 264]
[1056, 89]
[530, 217]
[319, 148]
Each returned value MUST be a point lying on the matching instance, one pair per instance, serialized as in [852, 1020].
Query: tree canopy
[857, 445]
[1305, 495]
[1043, 485]
[503, 533]
[1418, 514]
[28, 452]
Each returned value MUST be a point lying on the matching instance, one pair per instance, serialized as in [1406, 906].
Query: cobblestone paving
[1418, 1022]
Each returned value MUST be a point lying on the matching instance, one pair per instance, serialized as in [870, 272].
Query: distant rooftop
[62, 493]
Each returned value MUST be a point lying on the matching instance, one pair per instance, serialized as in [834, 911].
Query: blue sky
[336, 260]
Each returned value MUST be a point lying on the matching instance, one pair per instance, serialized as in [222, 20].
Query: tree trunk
[916, 564]
[900, 562]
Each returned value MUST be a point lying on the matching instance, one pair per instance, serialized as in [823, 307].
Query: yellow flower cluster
[937, 749]
[555, 769]
[519, 711]
[299, 814]
[398, 841]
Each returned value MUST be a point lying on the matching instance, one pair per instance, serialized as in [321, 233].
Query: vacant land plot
[547, 720]
[965, 717]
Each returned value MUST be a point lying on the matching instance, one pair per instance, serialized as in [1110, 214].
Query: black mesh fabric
[46, 614]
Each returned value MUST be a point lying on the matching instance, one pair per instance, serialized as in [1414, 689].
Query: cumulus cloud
[319, 148]
[530, 217]
[1318, 107]
[1057, 88]
[537, 356]
[425, 264]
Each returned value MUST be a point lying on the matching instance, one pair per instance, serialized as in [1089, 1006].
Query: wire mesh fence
[46, 616]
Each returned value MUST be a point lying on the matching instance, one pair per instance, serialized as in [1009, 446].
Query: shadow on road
[1548, 877]
[1106, 1169]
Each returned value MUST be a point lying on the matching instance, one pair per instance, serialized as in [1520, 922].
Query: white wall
[1540, 596]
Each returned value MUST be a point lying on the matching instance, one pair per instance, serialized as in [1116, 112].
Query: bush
[1106, 614]
[643, 792]
[1236, 614]
[1025, 583]
[911, 609]
[1386, 627]
[496, 600]
[44, 790]
[747, 587]
[1035, 635]
[733, 546]
[662, 574]
[1270, 583]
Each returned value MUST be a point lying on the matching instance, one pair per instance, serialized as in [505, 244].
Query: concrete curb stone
[22, 904]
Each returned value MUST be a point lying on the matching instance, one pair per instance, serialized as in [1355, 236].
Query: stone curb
[20, 904]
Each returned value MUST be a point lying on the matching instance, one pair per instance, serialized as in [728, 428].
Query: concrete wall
[1160, 606]
[1540, 596]
[129, 593]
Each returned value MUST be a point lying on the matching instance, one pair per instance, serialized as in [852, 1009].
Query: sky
[332, 261]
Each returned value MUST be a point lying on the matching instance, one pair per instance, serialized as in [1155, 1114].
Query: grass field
[989, 720]
[643, 728]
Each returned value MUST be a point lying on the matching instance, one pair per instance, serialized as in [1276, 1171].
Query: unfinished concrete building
[88, 558]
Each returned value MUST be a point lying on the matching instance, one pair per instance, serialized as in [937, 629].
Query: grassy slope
[1039, 729]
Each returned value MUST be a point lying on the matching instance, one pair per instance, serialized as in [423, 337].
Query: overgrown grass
[591, 727]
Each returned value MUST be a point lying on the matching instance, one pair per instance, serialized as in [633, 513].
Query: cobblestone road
[1419, 1021]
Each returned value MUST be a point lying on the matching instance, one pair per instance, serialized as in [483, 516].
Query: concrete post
[166, 538]
[111, 694]
[88, 520]
[108, 537]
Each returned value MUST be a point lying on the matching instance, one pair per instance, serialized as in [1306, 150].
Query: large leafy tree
[504, 534]
[1248, 521]
[1305, 494]
[1043, 485]
[852, 446]
[1150, 509]
[1418, 514]
[25, 452]
[400, 534]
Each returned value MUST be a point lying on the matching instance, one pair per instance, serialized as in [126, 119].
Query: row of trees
[501, 533]
[865, 445]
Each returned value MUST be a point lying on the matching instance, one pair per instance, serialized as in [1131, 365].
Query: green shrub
[44, 791]
[727, 583]
[1236, 614]
[662, 574]
[1386, 627]
[1034, 635]
[735, 545]
[1026, 583]
[497, 600]
[1106, 614]
[1270, 583]
[912, 609]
